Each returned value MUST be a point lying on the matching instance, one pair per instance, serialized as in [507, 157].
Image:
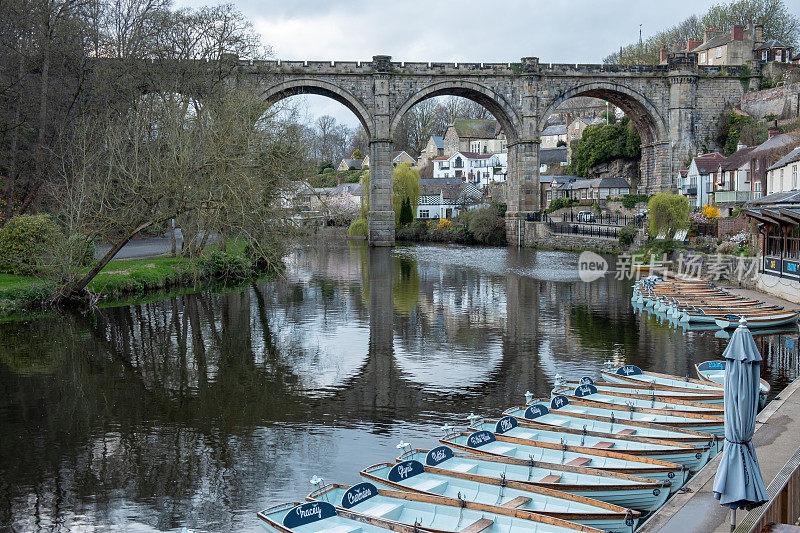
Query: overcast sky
[556, 31]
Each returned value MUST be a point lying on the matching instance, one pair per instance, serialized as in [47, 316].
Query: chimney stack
[663, 54]
[710, 33]
[691, 44]
[737, 32]
[758, 34]
[772, 131]
[740, 145]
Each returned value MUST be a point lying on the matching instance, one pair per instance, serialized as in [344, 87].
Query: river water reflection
[198, 410]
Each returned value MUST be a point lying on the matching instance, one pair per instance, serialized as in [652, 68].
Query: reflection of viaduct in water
[380, 382]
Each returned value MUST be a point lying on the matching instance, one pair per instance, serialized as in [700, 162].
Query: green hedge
[24, 243]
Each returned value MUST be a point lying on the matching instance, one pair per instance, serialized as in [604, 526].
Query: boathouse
[778, 219]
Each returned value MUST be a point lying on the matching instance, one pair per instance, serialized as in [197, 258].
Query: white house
[698, 185]
[446, 197]
[551, 135]
[733, 185]
[783, 175]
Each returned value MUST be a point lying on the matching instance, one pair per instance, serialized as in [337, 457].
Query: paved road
[143, 247]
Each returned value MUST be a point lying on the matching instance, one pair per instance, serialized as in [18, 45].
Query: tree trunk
[72, 290]
[33, 189]
[12, 156]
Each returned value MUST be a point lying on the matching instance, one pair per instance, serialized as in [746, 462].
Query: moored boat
[763, 320]
[508, 426]
[539, 414]
[662, 393]
[634, 374]
[626, 414]
[486, 442]
[623, 490]
[714, 372]
[588, 393]
[440, 513]
[510, 494]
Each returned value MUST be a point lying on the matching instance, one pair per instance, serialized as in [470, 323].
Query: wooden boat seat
[579, 461]
[527, 435]
[503, 449]
[626, 432]
[519, 501]
[558, 421]
[552, 478]
[648, 418]
[478, 525]
[604, 445]
[429, 485]
[340, 528]
[382, 509]
[464, 467]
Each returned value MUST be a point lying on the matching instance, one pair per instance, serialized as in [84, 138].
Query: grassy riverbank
[128, 280]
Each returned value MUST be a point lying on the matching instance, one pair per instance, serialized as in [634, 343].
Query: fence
[588, 230]
[604, 219]
[783, 506]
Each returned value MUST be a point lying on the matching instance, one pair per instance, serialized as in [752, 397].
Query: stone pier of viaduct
[674, 107]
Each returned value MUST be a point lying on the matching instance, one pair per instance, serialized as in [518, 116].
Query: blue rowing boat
[431, 512]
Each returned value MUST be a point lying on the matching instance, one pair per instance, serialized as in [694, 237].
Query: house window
[549, 195]
[583, 194]
[719, 52]
[424, 213]
[459, 163]
[794, 177]
[614, 192]
[778, 55]
[763, 55]
[781, 182]
[703, 57]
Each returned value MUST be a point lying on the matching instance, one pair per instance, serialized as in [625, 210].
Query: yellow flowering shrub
[443, 224]
[710, 212]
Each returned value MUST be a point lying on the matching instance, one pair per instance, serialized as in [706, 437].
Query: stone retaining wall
[781, 101]
[538, 235]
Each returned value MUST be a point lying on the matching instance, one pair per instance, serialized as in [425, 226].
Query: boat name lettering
[535, 411]
[505, 424]
[438, 455]
[405, 470]
[479, 438]
[558, 401]
[308, 513]
[711, 365]
[629, 370]
[358, 493]
[585, 390]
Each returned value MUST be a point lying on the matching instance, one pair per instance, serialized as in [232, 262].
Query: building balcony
[735, 197]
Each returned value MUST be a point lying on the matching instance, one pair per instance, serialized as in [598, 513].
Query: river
[199, 410]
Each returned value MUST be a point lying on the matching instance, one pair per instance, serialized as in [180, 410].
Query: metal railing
[734, 197]
[587, 230]
[783, 506]
[604, 219]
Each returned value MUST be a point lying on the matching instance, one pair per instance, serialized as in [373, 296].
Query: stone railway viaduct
[674, 107]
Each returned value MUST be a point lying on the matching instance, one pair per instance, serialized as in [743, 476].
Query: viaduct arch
[675, 107]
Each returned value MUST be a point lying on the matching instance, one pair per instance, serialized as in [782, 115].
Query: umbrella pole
[733, 519]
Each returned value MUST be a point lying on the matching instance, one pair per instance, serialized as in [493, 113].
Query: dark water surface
[199, 410]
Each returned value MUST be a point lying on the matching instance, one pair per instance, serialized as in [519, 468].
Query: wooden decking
[776, 443]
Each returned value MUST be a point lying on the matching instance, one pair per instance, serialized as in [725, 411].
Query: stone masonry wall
[782, 102]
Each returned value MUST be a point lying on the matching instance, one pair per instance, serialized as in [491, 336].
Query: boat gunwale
[532, 424]
[636, 396]
[691, 435]
[615, 511]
